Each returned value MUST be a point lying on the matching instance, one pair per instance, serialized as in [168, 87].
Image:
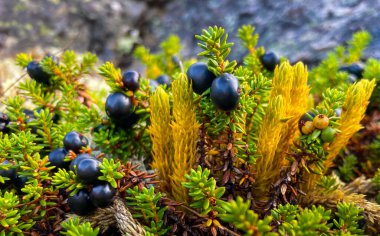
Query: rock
[299, 30]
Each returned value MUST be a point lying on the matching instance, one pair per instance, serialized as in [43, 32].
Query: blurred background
[298, 29]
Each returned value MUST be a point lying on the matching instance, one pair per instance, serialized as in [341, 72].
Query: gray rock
[299, 30]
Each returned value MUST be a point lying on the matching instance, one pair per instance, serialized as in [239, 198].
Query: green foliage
[328, 184]
[216, 49]
[376, 178]
[376, 181]
[206, 196]
[372, 71]
[332, 100]
[349, 216]
[356, 46]
[70, 68]
[145, 205]
[23, 59]
[112, 76]
[292, 220]
[252, 60]
[110, 172]
[312, 221]
[239, 214]
[247, 35]
[284, 215]
[67, 180]
[346, 170]
[327, 74]
[73, 227]
[163, 62]
[313, 146]
[10, 215]
[18, 147]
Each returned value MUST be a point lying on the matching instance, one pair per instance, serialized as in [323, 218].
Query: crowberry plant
[193, 148]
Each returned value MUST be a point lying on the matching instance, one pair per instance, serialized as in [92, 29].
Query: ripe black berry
[200, 76]
[118, 106]
[88, 170]
[127, 122]
[20, 181]
[225, 92]
[131, 80]
[164, 79]
[57, 157]
[353, 69]
[74, 141]
[10, 172]
[4, 121]
[102, 194]
[270, 60]
[36, 72]
[80, 203]
[79, 158]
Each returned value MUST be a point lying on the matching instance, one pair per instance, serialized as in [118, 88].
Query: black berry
[127, 122]
[80, 203]
[118, 106]
[200, 76]
[353, 69]
[131, 80]
[270, 60]
[79, 158]
[57, 157]
[20, 181]
[74, 141]
[4, 121]
[88, 170]
[164, 79]
[225, 92]
[10, 172]
[36, 72]
[102, 194]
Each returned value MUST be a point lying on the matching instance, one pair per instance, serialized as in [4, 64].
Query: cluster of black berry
[14, 178]
[87, 169]
[119, 107]
[224, 91]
